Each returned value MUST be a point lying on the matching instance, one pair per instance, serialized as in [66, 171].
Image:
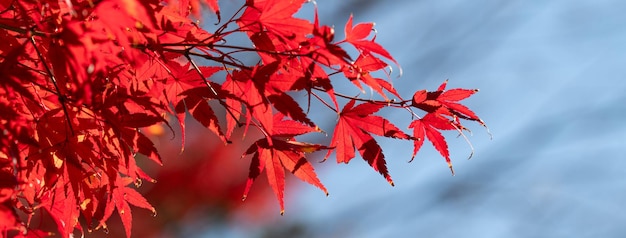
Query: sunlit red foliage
[83, 81]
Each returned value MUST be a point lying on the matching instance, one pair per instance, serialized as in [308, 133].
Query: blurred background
[552, 91]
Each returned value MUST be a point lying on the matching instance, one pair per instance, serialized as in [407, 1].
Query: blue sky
[552, 91]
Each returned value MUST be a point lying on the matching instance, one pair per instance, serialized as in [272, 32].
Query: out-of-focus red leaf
[7, 185]
[8, 218]
[121, 196]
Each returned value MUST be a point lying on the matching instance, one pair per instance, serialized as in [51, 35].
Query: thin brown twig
[60, 96]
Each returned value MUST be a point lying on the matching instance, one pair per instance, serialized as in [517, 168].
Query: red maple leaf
[196, 103]
[61, 204]
[276, 16]
[360, 71]
[125, 20]
[184, 77]
[187, 89]
[446, 102]
[247, 87]
[357, 36]
[353, 130]
[283, 152]
[120, 198]
[427, 128]
[443, 113]
[321, 43]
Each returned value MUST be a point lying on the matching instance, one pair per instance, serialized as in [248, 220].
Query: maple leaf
[283, 153]
[183, 77]
[177, 28]
[427, 128]
[183, 81]
[196, 103]
[170, 78]
[446, 102]
[141, 144]
[61, 204]
[288, 106]
[321, 42]
[123, 20]
[121, 197]
[248, 87]
[356, 35]
[277, 17]
[360, 71]
[353, 130]
[443, 113]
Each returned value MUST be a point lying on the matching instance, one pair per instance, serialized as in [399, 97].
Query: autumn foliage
[82, 80]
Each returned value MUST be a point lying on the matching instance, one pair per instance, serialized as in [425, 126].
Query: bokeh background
[552, 80]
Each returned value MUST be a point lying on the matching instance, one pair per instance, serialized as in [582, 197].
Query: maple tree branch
[324, 102]
[240, 48]
[22, 30]
[206, 82]
[245, 49]
[32, 81]
[231, 58]
[60, 97]
[223, 26]
[391, 103]
[400, 104]
[208, 57]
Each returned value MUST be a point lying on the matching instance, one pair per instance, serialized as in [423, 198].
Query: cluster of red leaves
[203, 186]
[81, 78]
